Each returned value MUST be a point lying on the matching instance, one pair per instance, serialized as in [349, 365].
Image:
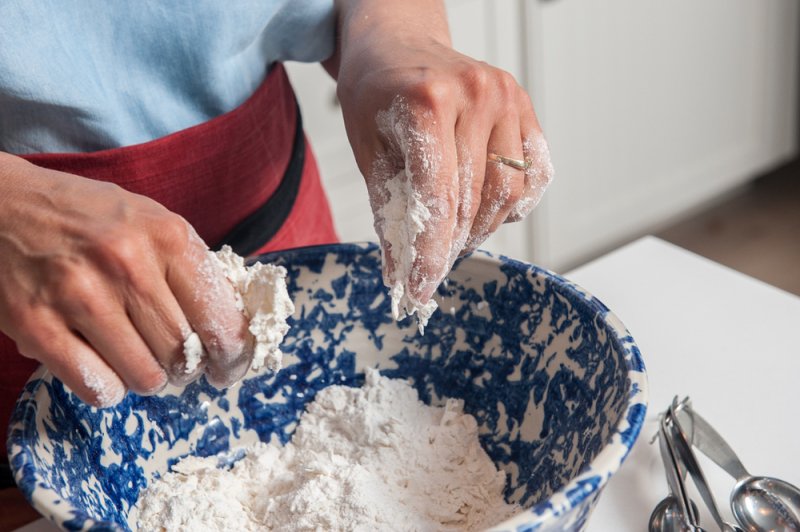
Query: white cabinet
[322, 119]
[651, 108]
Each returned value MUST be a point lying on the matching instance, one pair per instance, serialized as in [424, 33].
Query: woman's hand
[103, 286]
[416, 109]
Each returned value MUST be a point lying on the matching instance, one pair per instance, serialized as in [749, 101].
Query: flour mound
[262, 295]
[370, 458]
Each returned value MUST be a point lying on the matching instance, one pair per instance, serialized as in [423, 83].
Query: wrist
[367, 28]
[409, 21]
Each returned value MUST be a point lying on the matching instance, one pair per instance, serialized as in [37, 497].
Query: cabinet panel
[652, 108]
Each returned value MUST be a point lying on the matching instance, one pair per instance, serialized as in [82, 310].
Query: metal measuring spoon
[758, 503]
[667, 517]
[675, 513]
[681, 442]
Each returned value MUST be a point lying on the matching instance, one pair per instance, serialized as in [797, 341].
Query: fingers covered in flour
[211, 308]
[539, 173]
[102, 323]
[414, 190]
[70, 359]
[502, 185]
[421, 126]
[163, 326]
[471, 149]
[438, 188]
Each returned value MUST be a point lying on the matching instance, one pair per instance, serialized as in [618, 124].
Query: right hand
[102, 286]
[421, 113]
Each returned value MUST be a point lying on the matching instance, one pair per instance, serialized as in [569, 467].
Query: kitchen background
[676, 118]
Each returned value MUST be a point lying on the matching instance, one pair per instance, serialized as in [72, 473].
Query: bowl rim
[588, 483]
[623, 434]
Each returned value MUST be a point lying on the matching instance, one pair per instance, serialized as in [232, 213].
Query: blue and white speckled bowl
[553, 378]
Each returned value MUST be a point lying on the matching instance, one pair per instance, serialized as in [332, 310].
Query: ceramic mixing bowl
[554, 379]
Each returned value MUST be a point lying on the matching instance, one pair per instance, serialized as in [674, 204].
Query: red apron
[245, 178]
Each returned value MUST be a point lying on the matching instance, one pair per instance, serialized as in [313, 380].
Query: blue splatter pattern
[553, 378]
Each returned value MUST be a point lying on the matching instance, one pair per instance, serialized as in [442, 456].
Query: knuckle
[173, 232]
[122, 252]
[507, 84]
[476, 78]
[81, 298]
[88, 306]
[433, 93]
[505, 87]
[118, 252]
[77, 288]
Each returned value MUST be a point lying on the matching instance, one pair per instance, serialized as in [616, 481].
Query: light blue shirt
[86, 75]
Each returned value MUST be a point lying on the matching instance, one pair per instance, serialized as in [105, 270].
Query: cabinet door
[652, 108]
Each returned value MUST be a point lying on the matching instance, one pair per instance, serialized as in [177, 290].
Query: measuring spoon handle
[711, 444]
[675, 480]
[684, 452]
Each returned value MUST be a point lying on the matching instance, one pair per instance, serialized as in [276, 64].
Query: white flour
[106, 394]
[404, 217]
[193, 351]
[537, 177]
[402, 211]
[371, 458]
[262, 295]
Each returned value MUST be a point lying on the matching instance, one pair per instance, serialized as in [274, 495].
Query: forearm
[360, 23]
[8, 166]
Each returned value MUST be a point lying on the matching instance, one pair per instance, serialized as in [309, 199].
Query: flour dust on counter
[369, 458]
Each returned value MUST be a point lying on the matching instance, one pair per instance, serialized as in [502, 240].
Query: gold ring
[508, 161]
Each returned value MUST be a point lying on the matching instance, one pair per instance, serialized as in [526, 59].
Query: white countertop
[728, 341]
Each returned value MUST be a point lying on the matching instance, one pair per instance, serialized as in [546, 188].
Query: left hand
[411, 103]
